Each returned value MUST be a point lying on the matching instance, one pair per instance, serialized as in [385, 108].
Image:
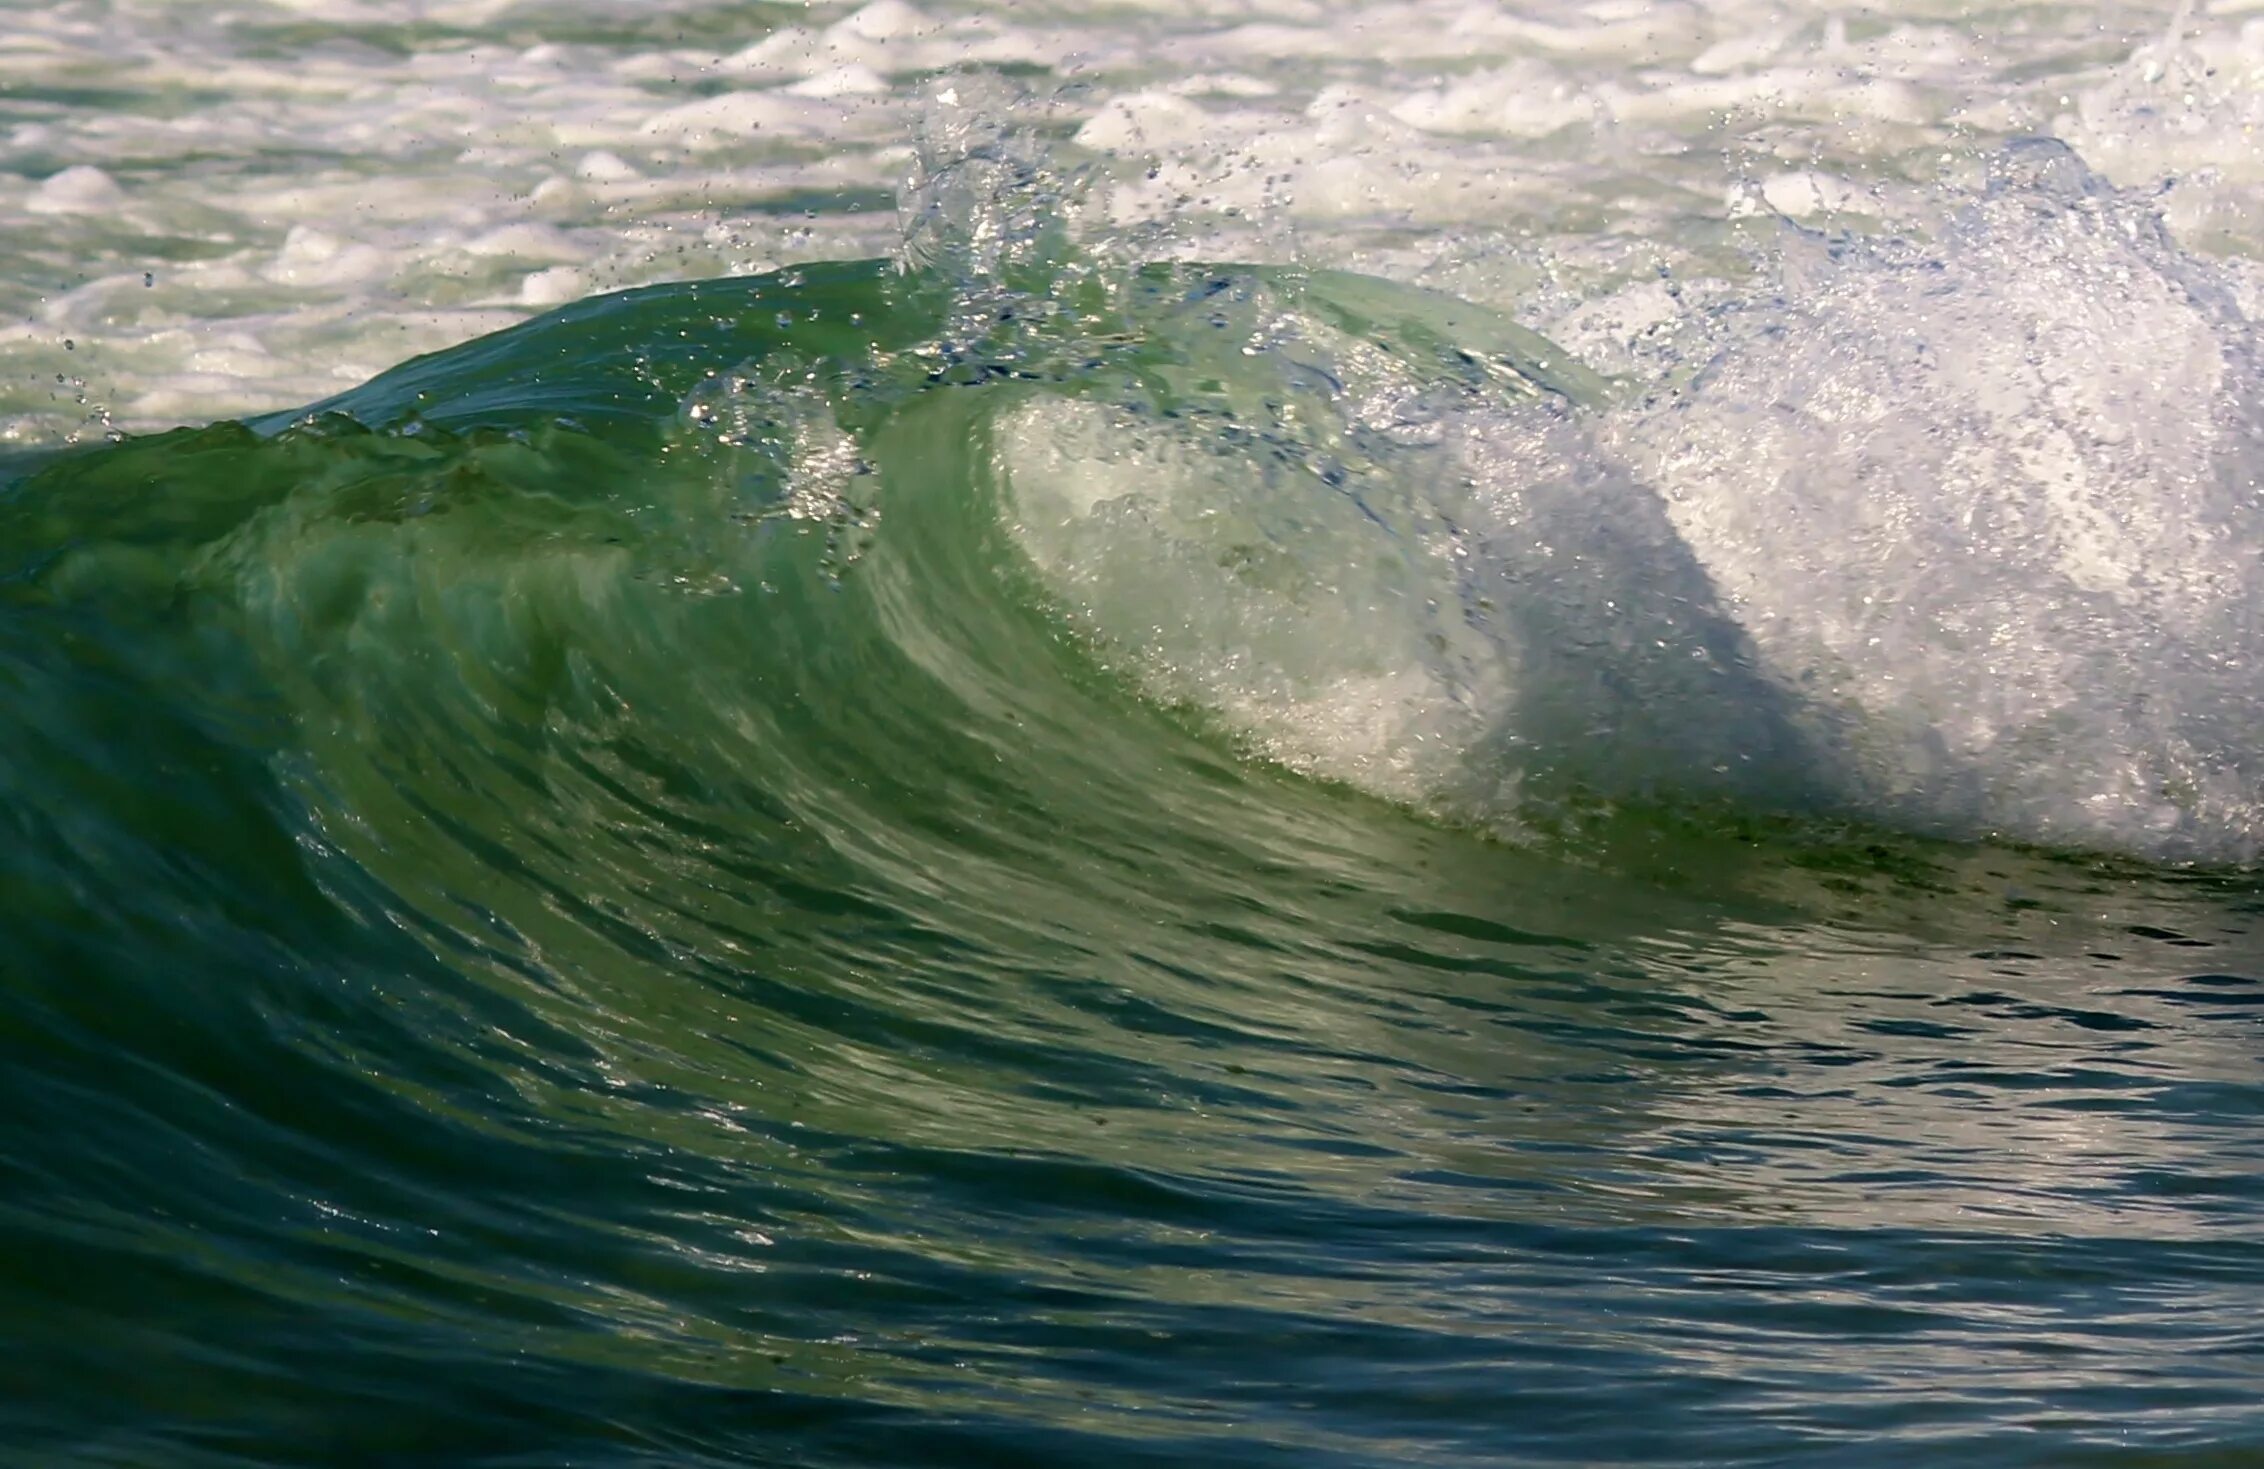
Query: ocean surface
[1132, 732]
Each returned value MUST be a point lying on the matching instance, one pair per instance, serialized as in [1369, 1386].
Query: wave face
[788, 869]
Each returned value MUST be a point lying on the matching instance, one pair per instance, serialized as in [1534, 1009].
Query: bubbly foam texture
[1988, 505]
[227, 210]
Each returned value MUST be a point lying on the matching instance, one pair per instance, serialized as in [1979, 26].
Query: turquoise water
[635, 893]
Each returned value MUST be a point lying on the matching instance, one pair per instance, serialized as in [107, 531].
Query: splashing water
[1952, 529]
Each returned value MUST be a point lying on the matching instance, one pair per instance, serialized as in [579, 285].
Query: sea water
[1148, 733]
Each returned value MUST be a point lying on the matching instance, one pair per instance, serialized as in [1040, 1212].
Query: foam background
[216, 209]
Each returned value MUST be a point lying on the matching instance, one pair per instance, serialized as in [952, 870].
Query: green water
[590, 903]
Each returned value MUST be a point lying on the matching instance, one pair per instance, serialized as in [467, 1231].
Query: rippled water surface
[1415, 734]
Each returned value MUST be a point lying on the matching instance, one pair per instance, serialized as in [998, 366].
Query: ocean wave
[1946, 529]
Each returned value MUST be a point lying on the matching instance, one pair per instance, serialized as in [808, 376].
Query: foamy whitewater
[1901, 458]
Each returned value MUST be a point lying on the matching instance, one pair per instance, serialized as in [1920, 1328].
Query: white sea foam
[346, 183]
[1956, 526]
[1989, 505]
